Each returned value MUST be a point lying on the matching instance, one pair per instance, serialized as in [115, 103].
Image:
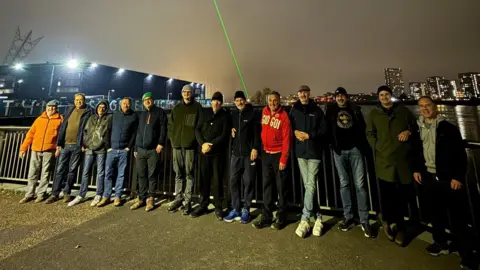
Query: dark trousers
[211, 174]
[243, 172]
[270, 167]
[395, 199]
[67, 166]
[448, 206]
[147, 172]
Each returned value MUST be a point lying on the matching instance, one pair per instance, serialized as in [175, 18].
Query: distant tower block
[20, 47]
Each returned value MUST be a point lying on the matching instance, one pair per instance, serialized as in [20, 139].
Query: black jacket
[152, 128]
[248, 129]
[183, 120]
[63, 128]
[96, 133]
[360, 139]
[450, 154]
[214, 129]
[309, 119]
[124, 128]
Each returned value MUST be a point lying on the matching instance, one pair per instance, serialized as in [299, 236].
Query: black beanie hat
[341, 90]
[217, 96]
[239, 94]
[384, 88]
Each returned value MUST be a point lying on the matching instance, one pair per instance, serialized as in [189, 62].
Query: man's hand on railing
[417, 177]
[57, 152]
[21, 155]
[455, 185]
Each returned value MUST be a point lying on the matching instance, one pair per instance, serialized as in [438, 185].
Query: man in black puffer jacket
[151, 136]
[96, 141]
[212, 134]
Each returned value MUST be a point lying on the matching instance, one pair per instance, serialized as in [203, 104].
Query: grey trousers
[183, 165]
[41, 167]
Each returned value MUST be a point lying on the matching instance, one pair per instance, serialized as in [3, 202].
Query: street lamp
[108, 95]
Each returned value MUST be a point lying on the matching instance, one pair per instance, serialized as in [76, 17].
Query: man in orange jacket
[42, 138]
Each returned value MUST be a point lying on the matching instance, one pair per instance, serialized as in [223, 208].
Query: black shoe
[219, 214]
[388, 232]
[278, 224]
[174, 206]
[187, 209]
[367, 230]
[199, 211]
[437, 249]
[400, 238]
[262, 223]
[346, 224]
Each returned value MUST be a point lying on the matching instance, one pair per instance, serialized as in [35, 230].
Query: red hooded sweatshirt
[276, 132]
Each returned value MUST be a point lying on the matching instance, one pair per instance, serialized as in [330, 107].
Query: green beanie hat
[147, 95]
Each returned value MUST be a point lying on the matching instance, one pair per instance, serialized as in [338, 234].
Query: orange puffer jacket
[42, 136]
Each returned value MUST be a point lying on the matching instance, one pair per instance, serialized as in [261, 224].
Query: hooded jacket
[311, 120]
[450, 154]
[42, 135]
[247, 135]
[276, 132]
[124, 129]
[214, 128]
[359, 126]
[96, 133]
[63, 128]
[183, 120]
[152, 128]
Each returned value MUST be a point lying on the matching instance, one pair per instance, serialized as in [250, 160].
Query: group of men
[428, 150]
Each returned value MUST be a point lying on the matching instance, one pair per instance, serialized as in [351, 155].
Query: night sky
[279, 44]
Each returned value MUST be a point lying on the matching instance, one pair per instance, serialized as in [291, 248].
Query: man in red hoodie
[276, 132]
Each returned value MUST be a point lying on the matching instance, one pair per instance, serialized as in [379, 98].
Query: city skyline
[278, 44]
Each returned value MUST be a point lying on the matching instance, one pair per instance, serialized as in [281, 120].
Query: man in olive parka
[391, 132]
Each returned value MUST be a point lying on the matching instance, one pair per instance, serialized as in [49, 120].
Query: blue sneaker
[245, 218]
[233, 215]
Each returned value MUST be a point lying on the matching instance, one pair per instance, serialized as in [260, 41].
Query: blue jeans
[352, 161]
[67, 166]
[119, 158]
[90, 157]
[309, 170]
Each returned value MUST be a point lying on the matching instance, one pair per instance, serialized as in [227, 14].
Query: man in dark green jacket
[183, 120]
[391, 132]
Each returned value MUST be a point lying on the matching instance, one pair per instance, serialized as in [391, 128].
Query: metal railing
[328, 186]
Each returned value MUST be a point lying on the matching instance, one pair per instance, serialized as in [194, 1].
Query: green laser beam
[231, 48]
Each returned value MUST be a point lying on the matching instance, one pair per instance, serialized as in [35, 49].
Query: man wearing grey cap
[182, 123]
[42, 139]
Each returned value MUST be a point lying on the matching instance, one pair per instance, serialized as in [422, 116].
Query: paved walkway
[117, 238]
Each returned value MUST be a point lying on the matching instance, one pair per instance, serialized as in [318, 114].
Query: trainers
[261, 223]
[245, 218]
[51, 199]
[187, 209]
[137, 204]
[219, 214]
[346, 224]
[318, 227]
[232, 216]
[25, 200]
[150, 205]
[40, 198]
[388, 232]
[400, 238]
[117, 202]
[278, 224]
[199, 211]
[77, 200]
[96, 200]
[367, 230]
[103, 202]
[436, 249]
[302, 229]
[174, 206]
[67, 198]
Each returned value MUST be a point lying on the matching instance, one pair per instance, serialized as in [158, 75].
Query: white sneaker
[302, 229]
[318, 227]
[76, 201]
[96, 200]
